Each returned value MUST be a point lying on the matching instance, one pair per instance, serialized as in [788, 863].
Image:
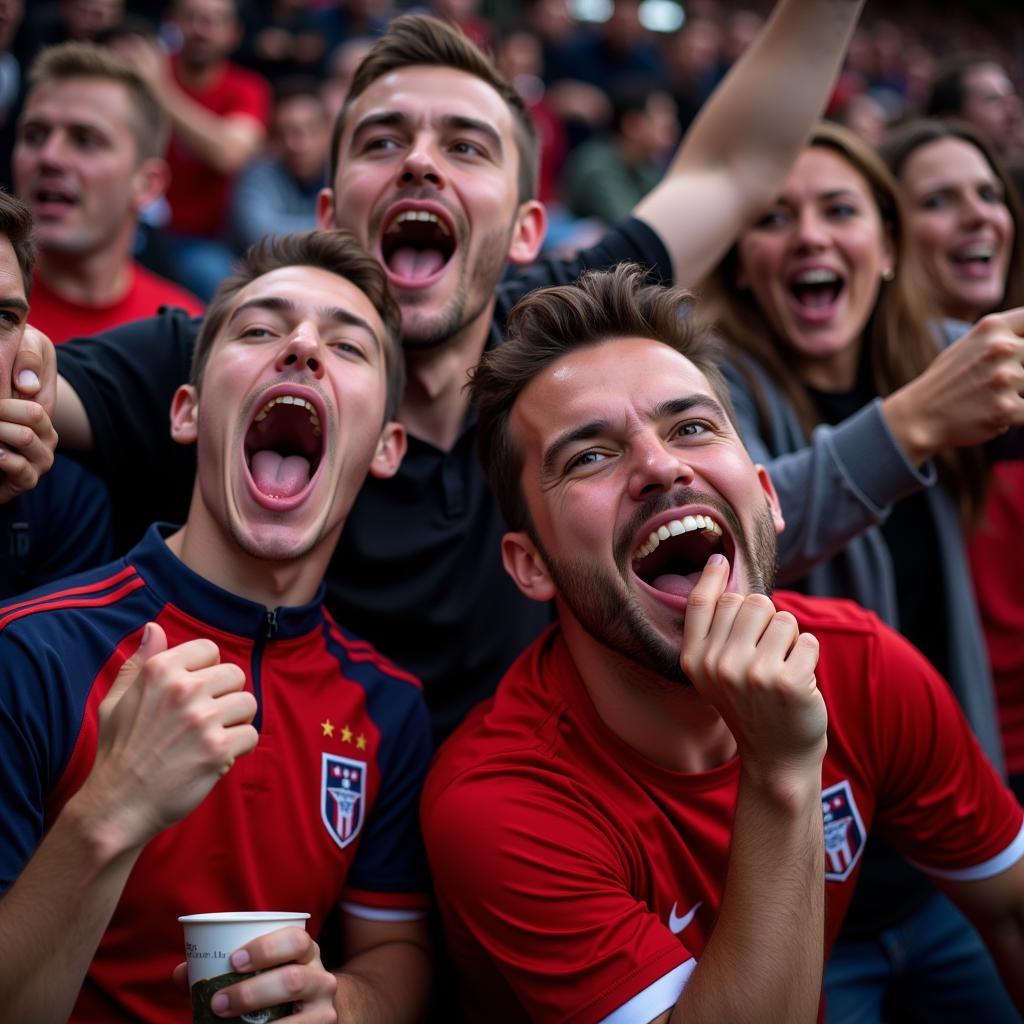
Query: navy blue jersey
[323, 810]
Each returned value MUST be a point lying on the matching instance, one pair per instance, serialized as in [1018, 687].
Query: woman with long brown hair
[868, 422]
[968, 225]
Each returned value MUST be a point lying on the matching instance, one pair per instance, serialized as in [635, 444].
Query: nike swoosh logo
[676, 924]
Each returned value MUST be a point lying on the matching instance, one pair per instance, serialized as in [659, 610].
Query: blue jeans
[932, 968]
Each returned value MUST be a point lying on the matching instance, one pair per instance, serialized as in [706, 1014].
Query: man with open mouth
[661, 813]
[434, 168]
[128, 693]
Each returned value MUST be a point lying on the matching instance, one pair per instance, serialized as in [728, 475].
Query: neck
[211, 552]
[838, 373]
[199, 75]
[436, 401]
[664, 721]
[99, 278]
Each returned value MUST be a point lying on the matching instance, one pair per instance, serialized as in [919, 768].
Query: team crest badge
[844, 831]
[342, 797]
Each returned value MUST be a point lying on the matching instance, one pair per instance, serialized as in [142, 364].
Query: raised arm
[740, 147]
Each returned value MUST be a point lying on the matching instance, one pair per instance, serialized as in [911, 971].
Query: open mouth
[284, 447]
[417, 245]
[672, 557]
[976, 260]
[817, 290]
[49, 198]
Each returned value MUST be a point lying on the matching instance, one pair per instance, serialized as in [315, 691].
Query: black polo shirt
[418, 569]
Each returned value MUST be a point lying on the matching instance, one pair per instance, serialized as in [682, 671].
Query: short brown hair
[549, 323]
[150, 123]
[337, 252]
[16, 227]
[418, 40]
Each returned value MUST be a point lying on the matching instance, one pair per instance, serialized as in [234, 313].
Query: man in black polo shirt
[434, 169]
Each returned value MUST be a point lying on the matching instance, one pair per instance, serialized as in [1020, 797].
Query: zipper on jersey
[267, 632]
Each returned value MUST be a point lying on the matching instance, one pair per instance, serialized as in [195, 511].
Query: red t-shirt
[62, 319]
[997, 564]
[576, 879]
[199, 195]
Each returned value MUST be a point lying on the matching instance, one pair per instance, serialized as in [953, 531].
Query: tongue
[815, 296]
[279, 476]
[680, 586]
[415, 264]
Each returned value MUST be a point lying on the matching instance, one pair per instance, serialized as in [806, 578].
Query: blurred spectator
[351, 19]
[865, 117]
[341, 66]
[465, 15]
[281, 39]
[70, 20]
[11, 85]
[741, 30]
[976, 89]
[694, 63]
[219, 113]
[607, 176]
[519, 57]
[87, 160]
[619, 48]
[276, 194]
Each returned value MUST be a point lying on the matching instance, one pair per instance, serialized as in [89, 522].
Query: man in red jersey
[88, 160]
[219, 113]
[644, 824]
[128, 694]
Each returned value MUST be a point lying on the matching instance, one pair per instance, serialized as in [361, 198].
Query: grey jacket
[835, 490]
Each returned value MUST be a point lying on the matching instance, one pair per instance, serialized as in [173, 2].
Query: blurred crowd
[611, 86]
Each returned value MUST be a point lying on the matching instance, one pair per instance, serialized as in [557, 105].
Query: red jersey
[580, 882]
[198, 194]
[61, 319]
[997, 565]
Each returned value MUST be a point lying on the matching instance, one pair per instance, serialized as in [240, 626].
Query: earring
[888, 274]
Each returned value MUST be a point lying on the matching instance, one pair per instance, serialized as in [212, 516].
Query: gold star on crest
[346, 734]
[361, 741]
[328, 727]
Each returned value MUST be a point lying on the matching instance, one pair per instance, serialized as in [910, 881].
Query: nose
[420, 164]
[302, 352]
[656, 466]
[810, 232]
[974, 210]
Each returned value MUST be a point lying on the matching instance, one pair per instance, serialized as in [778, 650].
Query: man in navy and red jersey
[644, 823]
[128, 693]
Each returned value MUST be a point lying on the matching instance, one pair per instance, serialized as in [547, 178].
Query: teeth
[976, 252]
[816, 276]
[291, 400]
[420, 216]
[688, 524]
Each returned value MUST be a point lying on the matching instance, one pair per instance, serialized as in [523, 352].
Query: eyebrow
[15, 304]
[595, 428]
[275, 304]
[451, 122]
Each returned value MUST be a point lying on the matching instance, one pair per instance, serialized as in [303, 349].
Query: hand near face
[756, 668]
[971, 393]
[172, 724]
[291, 972]
[147, 58]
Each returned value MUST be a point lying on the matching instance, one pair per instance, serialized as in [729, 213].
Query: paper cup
[210, 939]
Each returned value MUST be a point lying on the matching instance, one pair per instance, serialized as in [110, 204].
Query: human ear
[390, 450]
[185, 414]
[773, 499]
[524, 563]
[528, 234]
[325, 209]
